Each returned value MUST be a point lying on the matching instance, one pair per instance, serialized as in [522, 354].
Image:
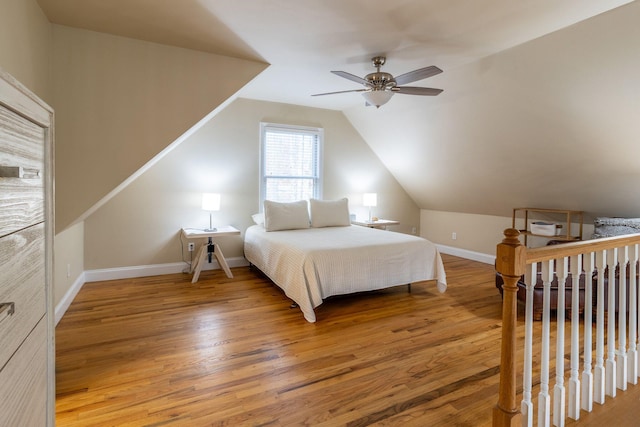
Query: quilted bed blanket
[315, 263]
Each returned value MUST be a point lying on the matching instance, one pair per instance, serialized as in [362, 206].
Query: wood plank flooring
[161, 351]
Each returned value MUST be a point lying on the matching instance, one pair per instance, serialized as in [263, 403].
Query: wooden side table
[209, 247]
[380, 223]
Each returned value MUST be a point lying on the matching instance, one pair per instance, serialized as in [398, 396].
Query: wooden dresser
[27, 358]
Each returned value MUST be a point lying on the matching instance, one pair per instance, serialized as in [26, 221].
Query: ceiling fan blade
[414, 90]
[341, 91]
[416, 75]
[352, 77]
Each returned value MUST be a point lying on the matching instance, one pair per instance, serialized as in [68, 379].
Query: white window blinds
[290, 163]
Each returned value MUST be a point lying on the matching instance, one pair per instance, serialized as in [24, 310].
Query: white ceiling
[303, 40]
[480, 147]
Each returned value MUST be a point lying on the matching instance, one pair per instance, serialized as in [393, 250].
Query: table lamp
[370, 200]
[210, 202]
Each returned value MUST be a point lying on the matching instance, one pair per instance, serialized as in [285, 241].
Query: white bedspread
[313, 264]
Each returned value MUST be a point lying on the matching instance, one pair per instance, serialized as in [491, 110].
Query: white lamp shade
[210, 201]
[370, 199]
[377, 97]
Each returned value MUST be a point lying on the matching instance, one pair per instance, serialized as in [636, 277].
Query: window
[290, 163]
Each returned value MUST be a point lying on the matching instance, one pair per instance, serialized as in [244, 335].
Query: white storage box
[543, 228]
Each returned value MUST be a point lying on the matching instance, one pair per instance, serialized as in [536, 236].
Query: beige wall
[119, 102]
[140, 226]
[69, 260]
[25, 52]
[550, 123]
[478, 233]
[25, 43]
[140, 96]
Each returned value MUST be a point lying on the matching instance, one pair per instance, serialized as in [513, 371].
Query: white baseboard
[464, 253]
[131, 272]
[68, 297]
[153, 270]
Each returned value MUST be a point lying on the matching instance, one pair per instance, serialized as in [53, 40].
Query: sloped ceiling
[527, 108]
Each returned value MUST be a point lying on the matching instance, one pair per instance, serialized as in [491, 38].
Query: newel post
[511, 263]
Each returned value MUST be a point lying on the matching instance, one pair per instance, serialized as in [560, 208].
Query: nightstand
[380, 223]
[209, 247]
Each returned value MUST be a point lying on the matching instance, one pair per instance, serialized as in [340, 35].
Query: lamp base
[211, 228]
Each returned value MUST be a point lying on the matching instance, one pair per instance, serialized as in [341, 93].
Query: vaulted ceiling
[418, 138]
[303, 40]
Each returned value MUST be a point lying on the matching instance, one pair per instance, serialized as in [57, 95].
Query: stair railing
[618, 257]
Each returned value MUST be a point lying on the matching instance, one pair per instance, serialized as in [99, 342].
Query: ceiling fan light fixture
[377, 97]
[379, 87]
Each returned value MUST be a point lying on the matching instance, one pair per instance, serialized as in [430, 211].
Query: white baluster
[621, 355]
[559, 392]
[599, 370]
[610, 385]
[632, 355]
[574, 379]
[544, 400]
[531, 276]
[587, 375]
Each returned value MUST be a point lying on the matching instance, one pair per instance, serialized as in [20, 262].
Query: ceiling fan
[380, 86]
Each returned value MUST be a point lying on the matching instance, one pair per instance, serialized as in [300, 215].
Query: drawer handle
[6, 310]
[19, 172]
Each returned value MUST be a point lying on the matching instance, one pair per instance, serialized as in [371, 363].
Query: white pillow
[258, 218]
[285, 216]
[330, 213]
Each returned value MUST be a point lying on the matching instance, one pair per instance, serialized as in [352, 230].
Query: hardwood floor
[230, 352]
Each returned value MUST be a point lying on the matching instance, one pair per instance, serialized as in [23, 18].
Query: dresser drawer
[21, 172]
[23, 383]
[21, 283]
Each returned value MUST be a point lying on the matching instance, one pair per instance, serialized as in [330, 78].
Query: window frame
[265, 127]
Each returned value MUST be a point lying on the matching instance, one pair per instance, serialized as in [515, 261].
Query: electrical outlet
[454, 236]
[413, 230]
[192, 246]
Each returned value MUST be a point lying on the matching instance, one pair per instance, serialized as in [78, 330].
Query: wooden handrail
[546, 253]
[512, 259]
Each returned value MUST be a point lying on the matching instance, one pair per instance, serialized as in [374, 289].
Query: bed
[312, 263]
